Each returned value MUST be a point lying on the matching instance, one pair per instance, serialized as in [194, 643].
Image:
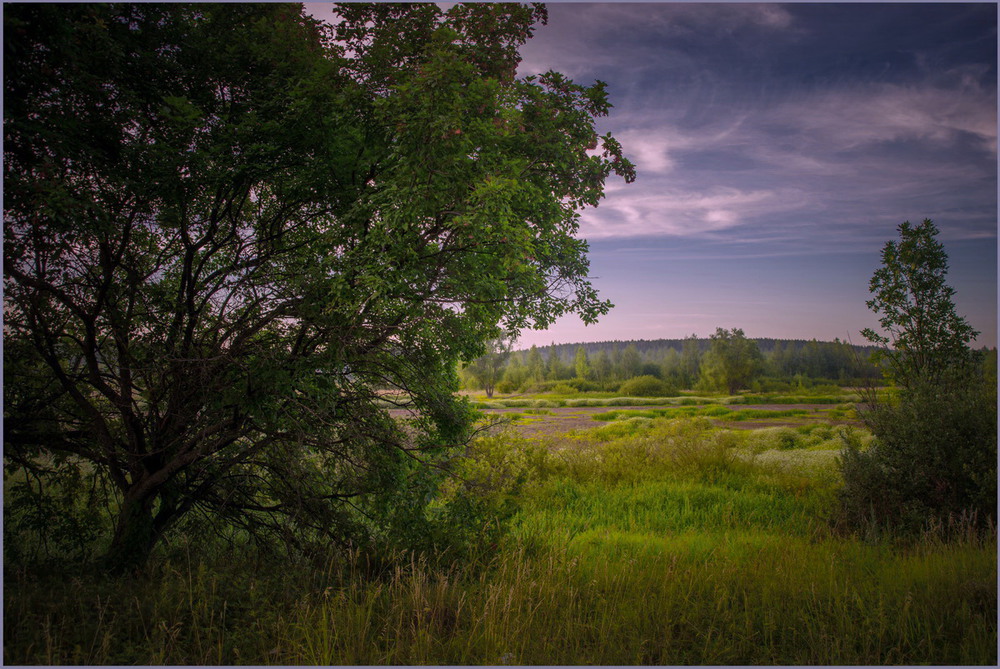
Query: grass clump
[814, 436]
[796, 399]
[619, 593]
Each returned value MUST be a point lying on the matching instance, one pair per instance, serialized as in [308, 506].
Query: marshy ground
[560, 420]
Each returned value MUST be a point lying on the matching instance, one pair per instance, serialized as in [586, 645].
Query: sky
[777, 147]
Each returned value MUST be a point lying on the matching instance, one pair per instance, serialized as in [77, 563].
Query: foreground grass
[676, 543]
[602, 597]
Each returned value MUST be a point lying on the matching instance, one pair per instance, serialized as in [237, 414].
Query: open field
[629, 534]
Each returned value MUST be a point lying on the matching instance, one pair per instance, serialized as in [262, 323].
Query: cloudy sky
[778, 146]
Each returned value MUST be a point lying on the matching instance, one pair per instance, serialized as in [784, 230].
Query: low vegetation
[648, 539]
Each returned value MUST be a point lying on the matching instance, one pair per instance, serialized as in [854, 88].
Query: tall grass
[694, 599]
[674, 543]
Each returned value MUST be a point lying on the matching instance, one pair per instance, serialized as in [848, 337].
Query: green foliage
[53, 519]
[778, 594]
[602, 367]
[229, 228]
[803, 367]
[563, 389]
[470, 507]
[518, 403]
[924, 335]
[629, 363]
[639, 448]
[839, 398]
[582, 385]
[933, 459]
[506, 387]
[581, 363]
[646, 386]
[690, 363]
[535, 365]
[711, 411]
[487, 370]
[816, 436]
[732, 361]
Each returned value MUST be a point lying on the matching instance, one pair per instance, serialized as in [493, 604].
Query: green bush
[932, 460]
[469, 510]
[583, 385]
[646, 386]
[506, 387]
[546, 403]
[773, 439]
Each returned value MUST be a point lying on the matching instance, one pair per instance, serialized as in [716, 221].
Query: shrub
[512, 404]
[583, 385]
[506, 387]
[469, 510]
[546, 403]
[585, 403]
[933, 459]
[646, 386]
[773, 438]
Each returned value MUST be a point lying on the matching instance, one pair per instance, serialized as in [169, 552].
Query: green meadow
[654, 537]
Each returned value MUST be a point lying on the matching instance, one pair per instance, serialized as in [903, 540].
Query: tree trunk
[134, 537]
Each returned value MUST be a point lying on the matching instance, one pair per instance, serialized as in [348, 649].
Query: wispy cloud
[690, 213]
[849, 155]
[840, 119]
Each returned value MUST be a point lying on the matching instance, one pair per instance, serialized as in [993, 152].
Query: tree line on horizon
[689, 363]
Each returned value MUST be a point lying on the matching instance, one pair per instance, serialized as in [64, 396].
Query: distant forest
[834, 360]
[655, 348]
[779, 364]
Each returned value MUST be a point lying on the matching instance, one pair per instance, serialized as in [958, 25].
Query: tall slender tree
[487, 369]
[581, 363]
[922, 335]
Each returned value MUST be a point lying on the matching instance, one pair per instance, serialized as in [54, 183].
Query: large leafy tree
[732, 361]
[229, 227]
[922, 335]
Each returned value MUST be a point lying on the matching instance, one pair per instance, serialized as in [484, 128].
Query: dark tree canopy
[228, 228]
